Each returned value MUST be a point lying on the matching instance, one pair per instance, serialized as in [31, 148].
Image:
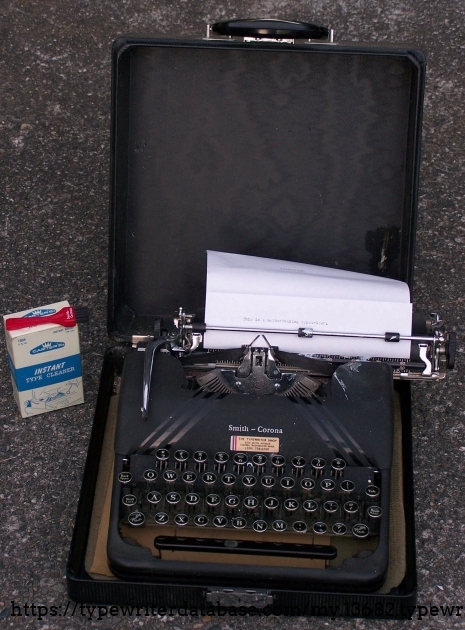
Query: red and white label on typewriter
[253, 444]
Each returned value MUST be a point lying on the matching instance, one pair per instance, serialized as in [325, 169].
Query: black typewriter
[257, 457]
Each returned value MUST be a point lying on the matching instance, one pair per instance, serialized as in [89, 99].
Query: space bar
[249, 547]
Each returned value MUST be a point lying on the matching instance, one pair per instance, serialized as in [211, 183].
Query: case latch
[239, 597]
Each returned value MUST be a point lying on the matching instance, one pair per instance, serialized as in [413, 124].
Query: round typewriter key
[260, 526]
[221, 457]
[220, 521]
[298, 465]
[351, 507]
[287, 483]
[339, 529]
[259, 461]
[181, 457]
[307, 484]
[161, 518]
[189, 477]
[181, 519]
[331, 507]
[209, 477]
[192, 498]
[374, 511]
[129, 500]
[372, 492]
[249, 480]
[124, 477]
[310, 506]
[150, 475]
[201, 520]
[278, 462]
[268, 481]
[240, 458]
[327, 485]
[238, 522]
[271, 503]
[291, 505]
[360, 530]
[200, 457]
[231, 500]
[228, 479]
[318, 465]
[162, 455]
[279, 525]
[136, 519]
[338, 466]
[250, 502]
[212, 500]
[153, 497]
[300, 527]
[320, 528]
[173, 498]
[170, 476]
[347, 485]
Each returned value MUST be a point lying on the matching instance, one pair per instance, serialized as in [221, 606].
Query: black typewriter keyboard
[245, 491]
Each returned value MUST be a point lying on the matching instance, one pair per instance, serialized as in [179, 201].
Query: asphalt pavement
[54, 182]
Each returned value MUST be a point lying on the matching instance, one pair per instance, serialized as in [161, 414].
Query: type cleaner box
[45, 363]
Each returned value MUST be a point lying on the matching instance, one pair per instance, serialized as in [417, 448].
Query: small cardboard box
[45, 363]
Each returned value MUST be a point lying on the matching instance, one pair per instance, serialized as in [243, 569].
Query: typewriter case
[301, 151]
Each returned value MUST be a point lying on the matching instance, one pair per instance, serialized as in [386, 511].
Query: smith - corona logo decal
[47, 346]
[41, 312]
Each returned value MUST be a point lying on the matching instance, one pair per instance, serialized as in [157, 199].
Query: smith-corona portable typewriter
[257, 457]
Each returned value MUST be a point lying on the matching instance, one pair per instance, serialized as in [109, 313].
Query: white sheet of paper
[263, 294]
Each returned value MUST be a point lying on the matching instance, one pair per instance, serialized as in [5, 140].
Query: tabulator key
[372, 492]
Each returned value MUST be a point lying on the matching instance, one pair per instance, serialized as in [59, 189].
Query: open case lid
[306, 152]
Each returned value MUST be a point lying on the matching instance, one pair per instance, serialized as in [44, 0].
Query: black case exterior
[305, 152]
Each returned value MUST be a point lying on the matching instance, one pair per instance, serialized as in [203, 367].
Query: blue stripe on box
[47, 373]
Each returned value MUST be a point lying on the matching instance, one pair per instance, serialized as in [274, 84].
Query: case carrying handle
[277, 29]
